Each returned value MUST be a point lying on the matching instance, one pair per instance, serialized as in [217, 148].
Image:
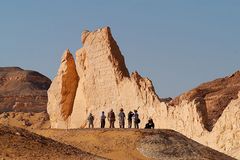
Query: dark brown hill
[22, 90]
[213, 97]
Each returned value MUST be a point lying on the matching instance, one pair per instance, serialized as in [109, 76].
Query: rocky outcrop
[167, 144]
[214, 96]
[22, 90]
[105, 83]
[225, 135]
[25, 120]
[62, 92]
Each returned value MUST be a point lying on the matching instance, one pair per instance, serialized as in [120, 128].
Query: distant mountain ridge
[214, 97]
[22, 90]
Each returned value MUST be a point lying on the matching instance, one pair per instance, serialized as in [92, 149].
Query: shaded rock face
[214, 97]
[23, 90]
[104, 83]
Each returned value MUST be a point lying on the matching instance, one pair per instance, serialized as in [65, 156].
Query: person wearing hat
[111, 118]
[121, 117]
[136, 119]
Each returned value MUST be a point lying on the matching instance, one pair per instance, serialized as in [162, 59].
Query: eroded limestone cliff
[214, 97]
[62, 92]
[101, 81]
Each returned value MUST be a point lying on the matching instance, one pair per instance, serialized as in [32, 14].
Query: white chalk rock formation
[100, 81]
[225, 135]
[62, 92]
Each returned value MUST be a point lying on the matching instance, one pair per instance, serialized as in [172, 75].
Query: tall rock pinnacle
[100, 81]
[104, 79]
[62, 91]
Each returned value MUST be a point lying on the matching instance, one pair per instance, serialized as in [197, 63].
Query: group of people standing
[133, 118]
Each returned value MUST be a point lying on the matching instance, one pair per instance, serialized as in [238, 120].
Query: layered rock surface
[22, 90]
[225, 135]
[214, 96]
[104, 83]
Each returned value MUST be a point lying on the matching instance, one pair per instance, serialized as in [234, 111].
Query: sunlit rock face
[105, 82]
[62, 92]
[100, 81]
[225, 135]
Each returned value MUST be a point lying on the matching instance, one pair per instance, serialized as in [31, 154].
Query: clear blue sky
[178, 44]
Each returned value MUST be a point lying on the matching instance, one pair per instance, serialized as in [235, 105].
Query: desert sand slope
[119, 144]
[20, 144]
[25, 120]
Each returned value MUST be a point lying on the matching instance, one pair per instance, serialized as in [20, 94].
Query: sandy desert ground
[35, 140]
[133, 144]
[20, 144]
